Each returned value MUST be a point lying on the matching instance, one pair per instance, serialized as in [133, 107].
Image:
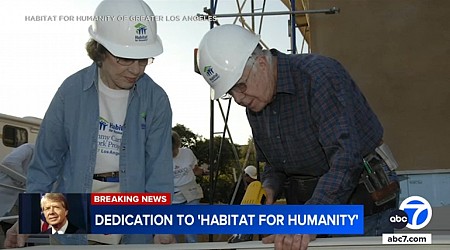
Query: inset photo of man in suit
[56, 209]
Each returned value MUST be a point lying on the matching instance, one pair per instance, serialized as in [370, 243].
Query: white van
[15, 131]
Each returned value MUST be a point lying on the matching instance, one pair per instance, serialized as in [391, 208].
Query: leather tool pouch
[374, 189]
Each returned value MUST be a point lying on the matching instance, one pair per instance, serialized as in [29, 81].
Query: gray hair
[257, 52]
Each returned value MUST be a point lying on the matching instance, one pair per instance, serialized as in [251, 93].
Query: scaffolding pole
[333, 10]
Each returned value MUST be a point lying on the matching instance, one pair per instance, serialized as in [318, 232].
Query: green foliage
[188, 138]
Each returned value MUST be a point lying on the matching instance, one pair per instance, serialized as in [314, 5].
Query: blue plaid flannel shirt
[319, 124]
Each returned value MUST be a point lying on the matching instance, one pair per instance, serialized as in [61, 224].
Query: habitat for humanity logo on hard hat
[141, 33]
[212, 76]
[414, 213]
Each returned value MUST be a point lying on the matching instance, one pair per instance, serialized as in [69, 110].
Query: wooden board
[342, 243]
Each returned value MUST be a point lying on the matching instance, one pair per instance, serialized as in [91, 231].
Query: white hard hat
[126, 28]
[222, 55]
[251, 171]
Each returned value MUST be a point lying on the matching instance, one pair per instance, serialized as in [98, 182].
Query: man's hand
[286, 241]
[289, 241]
[13, 238]
[270, 194]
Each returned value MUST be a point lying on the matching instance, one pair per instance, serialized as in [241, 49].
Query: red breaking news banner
[126, 199]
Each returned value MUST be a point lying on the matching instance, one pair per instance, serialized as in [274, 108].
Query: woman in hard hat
[108, 127]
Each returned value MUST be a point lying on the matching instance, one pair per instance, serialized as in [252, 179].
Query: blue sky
[36, 56]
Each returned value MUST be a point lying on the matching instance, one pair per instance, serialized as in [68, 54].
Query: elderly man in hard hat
[108, 127]
[311, 125]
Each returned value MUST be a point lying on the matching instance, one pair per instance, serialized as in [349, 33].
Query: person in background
[185, 169]
[18, 161]
[108, 127]
[250, 175]
[56, 209]
[311, 125]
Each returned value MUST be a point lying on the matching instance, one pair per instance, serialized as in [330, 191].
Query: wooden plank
[301, 20]
[338, 243]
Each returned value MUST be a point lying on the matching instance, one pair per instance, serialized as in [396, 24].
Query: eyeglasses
[241, 86]
[127, 61]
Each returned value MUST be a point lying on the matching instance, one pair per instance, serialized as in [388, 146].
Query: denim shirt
[66, 146]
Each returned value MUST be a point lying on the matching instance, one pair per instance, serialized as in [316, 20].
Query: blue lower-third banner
[227, 219]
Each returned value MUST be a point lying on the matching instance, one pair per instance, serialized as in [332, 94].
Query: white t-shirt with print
[113, 108]
[183, 165]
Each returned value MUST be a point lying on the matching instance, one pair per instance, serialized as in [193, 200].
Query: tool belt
[107, 177]
[374, 190]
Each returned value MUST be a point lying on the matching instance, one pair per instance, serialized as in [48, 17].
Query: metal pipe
[333, 10]
[293, 24]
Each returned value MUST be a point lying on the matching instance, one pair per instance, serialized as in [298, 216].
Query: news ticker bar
[138, 213]
[407, 239]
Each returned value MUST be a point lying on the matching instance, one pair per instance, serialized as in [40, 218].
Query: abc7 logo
[414, 213]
